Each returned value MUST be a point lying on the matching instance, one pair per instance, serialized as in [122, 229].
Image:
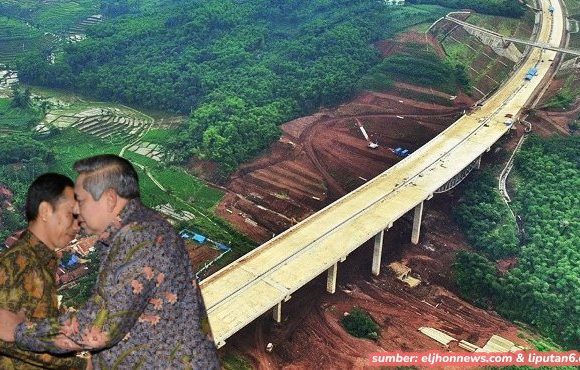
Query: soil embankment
[322, 157]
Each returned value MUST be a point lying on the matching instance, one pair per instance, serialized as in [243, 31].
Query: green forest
[543, 289]
[22, 156]
[238, 68]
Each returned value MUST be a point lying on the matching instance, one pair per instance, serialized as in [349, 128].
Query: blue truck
[401, 152]
[531, 73]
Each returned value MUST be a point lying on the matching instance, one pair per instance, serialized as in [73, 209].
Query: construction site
[324, 156]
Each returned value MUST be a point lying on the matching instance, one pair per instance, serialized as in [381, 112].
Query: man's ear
[44, 211]
[111, 198]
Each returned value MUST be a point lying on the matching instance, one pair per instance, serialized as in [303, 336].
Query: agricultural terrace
[52, 16]
[17, 37]
[484, 68]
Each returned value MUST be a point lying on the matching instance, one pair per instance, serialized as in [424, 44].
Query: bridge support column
[378, 252]
[331, 279]
[478, 163]
[417, 223]
[277, 313]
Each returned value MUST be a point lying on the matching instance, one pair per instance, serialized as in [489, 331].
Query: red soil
[199, 254]
[322, 157]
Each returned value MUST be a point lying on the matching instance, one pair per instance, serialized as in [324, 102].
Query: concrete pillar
[417, 223]
[277, 313]
[378, 252]
[478, 163]
[331, 279]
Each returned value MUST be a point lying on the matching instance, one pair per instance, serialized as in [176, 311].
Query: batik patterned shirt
[27, 282]
[146, 311]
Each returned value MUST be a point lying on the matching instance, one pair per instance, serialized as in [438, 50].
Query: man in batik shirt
[28, 268]
[147, 311]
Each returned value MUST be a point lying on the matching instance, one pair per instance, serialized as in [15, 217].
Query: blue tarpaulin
[199, 238]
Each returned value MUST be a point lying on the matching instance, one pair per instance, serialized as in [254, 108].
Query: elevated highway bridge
[266, 277]
[505, 39]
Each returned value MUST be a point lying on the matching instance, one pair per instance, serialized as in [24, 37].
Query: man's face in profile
[93, 214]
[62, 225]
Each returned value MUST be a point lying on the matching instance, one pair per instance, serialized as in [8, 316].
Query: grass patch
[514, 27]
[236, 362]
[564, 97]
[179, 183]
[17, 118]
[459, 52]
[70, 145]
[158, 136]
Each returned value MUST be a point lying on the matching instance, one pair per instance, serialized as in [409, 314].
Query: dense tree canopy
[276, 58]
[266, 61]
[487, 222]
[544, 287]
[22, 158]
[508, 8]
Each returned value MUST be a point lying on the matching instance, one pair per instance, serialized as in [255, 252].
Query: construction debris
[403, 273]
[499, 344]
[468, 346]
[437, 335]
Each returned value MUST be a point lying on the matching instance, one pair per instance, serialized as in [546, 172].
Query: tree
[20, 97]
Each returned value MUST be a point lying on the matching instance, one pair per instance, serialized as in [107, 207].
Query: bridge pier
[378, 252]
[277, 312]
[331, 279]
[478, 163]
[417, 223]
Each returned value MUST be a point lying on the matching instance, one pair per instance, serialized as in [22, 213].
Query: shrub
[360, 324]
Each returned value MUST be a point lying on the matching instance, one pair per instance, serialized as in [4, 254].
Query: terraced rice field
[17, 37]
[114, 125]
[32, 25]
[81, 27]
[61, 15]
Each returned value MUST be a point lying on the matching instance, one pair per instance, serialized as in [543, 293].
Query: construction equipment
[401, 152]
[509, 119]
[364, 132]
[531, 73]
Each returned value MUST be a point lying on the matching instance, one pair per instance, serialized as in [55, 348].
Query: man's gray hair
[108, 171]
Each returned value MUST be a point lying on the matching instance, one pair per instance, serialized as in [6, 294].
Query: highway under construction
[266, 277]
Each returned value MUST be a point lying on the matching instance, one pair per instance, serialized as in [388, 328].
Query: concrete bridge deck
[542, 45]
[267, 276]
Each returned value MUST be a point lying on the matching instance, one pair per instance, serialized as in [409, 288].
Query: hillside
[240, 68]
